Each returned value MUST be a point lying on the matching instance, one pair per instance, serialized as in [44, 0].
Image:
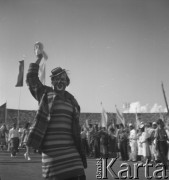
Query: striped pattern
[60, 157]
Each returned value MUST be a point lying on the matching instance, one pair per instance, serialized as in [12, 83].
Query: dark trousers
[163, 150]
[96, 149]
[85, 146]
[14, 145]
[124, 150]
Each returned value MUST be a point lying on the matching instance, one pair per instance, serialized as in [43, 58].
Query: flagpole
[6, 113]
[18, 120]
[165, 97]
[20, 84]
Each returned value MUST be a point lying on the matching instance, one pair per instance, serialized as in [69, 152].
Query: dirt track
[20, 169]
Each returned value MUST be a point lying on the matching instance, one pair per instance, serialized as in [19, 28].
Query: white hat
[141, 125]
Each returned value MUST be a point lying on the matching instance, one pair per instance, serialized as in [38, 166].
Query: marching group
[150, 141]
[14, 138]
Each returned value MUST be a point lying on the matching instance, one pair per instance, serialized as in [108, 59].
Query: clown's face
[60, 82]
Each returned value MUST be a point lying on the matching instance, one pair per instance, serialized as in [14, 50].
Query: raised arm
[36, 88]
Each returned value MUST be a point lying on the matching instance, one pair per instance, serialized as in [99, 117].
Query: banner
[2, 113]
[21, 74]
[39, 49]
[137, 121]
[104, 118]
[119, 117]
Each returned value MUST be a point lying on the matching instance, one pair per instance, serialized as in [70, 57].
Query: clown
[56, 130]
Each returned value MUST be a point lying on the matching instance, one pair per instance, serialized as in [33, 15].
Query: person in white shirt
[133, 143]
[14, 140]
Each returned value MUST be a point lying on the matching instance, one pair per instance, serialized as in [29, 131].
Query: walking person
[3, 135]
[84, 140]
[24, 139]
[96, 142]
[122, 139]
[56, 130]
[139, 143]
[112, 143]
[161, 142]
[133, 143]
[146, 154]
[14, 140]
[154, 152]
[104, 142]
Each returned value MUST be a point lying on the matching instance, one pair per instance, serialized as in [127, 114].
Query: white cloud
[157, 109]
[137, 107]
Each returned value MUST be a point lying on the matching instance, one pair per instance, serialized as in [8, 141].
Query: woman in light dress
[145, 150]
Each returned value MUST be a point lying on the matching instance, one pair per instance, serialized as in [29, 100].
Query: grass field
[20, 169]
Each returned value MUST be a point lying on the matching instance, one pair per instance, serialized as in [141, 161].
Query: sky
[116, 51]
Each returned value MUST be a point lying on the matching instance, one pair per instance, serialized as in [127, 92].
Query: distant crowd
[14, 138]
[149, 141]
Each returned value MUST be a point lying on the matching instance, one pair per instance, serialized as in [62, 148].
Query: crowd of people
[150, 141]
[14, 139]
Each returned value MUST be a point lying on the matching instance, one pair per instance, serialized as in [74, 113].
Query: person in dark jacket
[96, 141]
[104, 142]
[123, 143]
[112, 143]
[161, 139]
[56, 130]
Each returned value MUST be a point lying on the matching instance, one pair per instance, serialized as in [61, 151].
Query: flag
[119, 117]
[39, 49]
[3, 113]
[104, 118]
[42, 72]
[86, 124]
[20, 75]
[137, 121]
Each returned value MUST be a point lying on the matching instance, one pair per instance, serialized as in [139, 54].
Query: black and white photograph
[84, 89]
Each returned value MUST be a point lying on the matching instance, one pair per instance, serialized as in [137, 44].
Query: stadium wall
[94, 118]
